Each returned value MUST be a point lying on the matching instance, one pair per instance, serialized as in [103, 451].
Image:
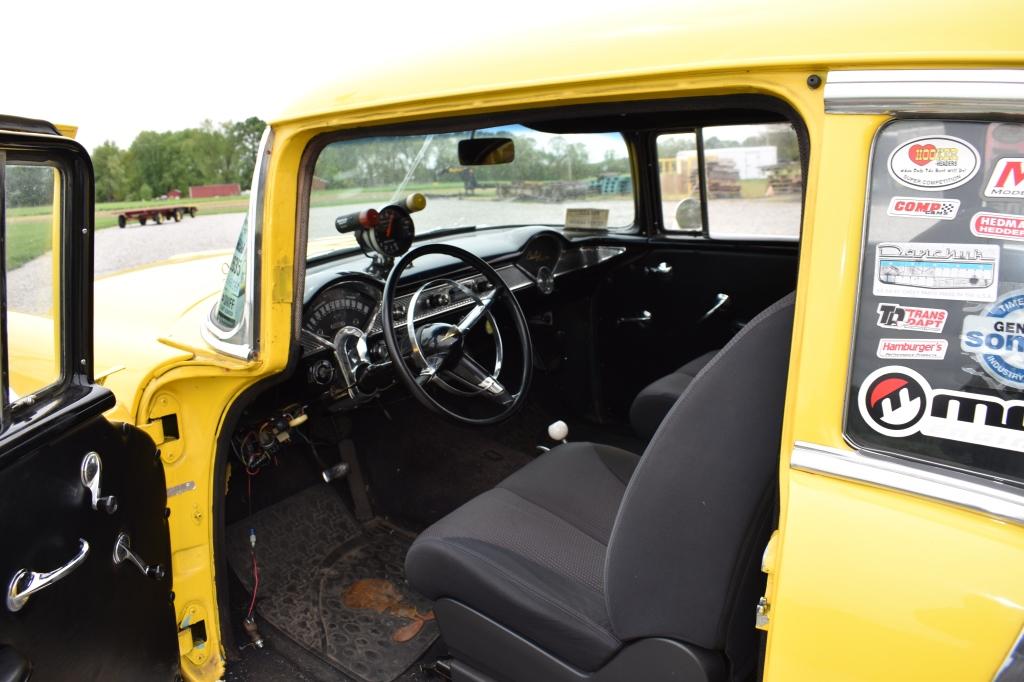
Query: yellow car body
[866, 582]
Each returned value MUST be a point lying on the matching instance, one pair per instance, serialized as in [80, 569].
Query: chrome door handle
[123, 552]
[720, 301]
[662, 269]
[92, 468]
[26, 583]
[642, 319]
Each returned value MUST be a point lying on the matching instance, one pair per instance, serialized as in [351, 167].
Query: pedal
[339, 470]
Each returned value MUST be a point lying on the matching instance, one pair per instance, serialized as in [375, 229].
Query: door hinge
[761, 614]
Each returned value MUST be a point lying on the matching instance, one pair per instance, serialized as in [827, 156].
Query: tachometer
[393, 233]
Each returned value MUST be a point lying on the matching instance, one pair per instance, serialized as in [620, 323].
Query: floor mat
[337, 589]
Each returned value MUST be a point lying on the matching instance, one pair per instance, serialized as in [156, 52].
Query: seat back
[685, 546]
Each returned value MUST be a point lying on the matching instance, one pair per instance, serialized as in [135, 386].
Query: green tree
[111, 169]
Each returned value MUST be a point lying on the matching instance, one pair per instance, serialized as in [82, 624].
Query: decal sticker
[935, 209]
[933, 163]
[912, 349]
[897, 401]
[998, 226]
[996, 338]
[960, 272]
[896, 316]
[1007, 179]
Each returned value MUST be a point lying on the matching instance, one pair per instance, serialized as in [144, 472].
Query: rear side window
[937, 371]
[752, 178]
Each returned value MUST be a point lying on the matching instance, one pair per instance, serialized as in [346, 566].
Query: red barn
[226, 190]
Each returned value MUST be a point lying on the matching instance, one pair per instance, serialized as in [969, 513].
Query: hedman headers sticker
[998, 226]
[960, 272]
[933, 163]
[897, 401]
[935, 209]
[996, 338]
[1007, 179]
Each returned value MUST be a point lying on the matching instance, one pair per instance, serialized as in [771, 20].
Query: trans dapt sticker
[1007, 179]
[912, 349]
[996, 338]
[912, 318]
[998, 226]
[933, 163]
[934, 209]
[959, 272]
[898, 402]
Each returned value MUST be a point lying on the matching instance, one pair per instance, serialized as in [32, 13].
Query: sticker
[996, 338]
[959, 272]
[935, 209]
[897, 401]
[912, 349]
[1007, 179]
[586, 218]
[933, 163]
[896, 316]
[998, 226]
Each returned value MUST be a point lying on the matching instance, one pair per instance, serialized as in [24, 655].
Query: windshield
[551, 174]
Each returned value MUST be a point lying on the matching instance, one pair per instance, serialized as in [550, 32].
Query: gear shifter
[557, 431]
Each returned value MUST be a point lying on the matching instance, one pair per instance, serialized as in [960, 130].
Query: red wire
[256, 584]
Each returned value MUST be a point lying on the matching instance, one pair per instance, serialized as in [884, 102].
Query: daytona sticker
[912, 349]
[933, 163]
[935, 209]
[996, 339]
[960, 272]
[896, 316]
[998, 226]
[1007, 179]
[897, 401]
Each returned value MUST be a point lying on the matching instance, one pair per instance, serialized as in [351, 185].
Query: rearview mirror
[486, 151]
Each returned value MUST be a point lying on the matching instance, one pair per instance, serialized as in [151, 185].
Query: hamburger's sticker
[933, 163]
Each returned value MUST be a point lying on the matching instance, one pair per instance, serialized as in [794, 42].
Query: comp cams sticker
[934, 209]
[998, 226]
[912, 349]
[960, 272]
[1007, 179]
[933, 163]
[912, 318]
[996, 339]
[898, 402]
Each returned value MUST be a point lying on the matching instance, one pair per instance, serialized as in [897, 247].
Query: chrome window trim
[920, 479]
[224, 340]
[933, 91]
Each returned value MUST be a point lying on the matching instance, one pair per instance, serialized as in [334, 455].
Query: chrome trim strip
[1012, 669]
[959, 488]
[936, 91]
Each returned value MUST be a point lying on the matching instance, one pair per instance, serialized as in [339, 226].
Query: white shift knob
[558, 431]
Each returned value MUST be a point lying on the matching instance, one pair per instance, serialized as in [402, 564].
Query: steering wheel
[438, 350]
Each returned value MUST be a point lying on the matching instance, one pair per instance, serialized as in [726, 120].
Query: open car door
[84, 542]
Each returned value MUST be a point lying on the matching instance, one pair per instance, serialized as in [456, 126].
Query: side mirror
[486, 151]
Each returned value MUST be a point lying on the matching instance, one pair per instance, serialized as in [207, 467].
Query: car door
[84, 542]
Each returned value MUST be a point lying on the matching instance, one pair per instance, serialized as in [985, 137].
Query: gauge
[337, 307]
[394, 232]
[542, 251]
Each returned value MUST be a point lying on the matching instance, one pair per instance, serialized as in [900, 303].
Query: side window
[937, 371]
[31, 231]
[679, 175]
[754, 181]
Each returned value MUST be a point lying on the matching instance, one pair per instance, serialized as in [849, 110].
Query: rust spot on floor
[383, 597]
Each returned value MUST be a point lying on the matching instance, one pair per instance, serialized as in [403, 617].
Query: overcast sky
[116, 68]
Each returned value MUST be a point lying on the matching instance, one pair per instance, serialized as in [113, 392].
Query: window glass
[32, 229]
[754, 181]
[550, 174]
[938, 358]
[680, 182]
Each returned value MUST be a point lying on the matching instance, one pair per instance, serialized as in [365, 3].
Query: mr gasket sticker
[933, 163]
[1007, 179]
[960, 272]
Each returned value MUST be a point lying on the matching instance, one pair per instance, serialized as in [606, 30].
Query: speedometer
[338, 307]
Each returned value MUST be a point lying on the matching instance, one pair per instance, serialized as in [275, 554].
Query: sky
[117, 68]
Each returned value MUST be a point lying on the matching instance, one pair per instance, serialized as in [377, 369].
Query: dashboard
[342, 303]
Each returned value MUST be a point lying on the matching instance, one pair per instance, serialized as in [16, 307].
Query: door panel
[102, 620]
[677, 286]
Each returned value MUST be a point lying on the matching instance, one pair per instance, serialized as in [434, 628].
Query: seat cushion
[652, 403]
[530, 553]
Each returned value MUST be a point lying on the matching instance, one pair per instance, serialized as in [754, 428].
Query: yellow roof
[689, 37]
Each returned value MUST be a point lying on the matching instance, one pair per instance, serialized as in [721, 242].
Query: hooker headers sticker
[960, 272]
[933, 163]
[996, 338]
[898, 402]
